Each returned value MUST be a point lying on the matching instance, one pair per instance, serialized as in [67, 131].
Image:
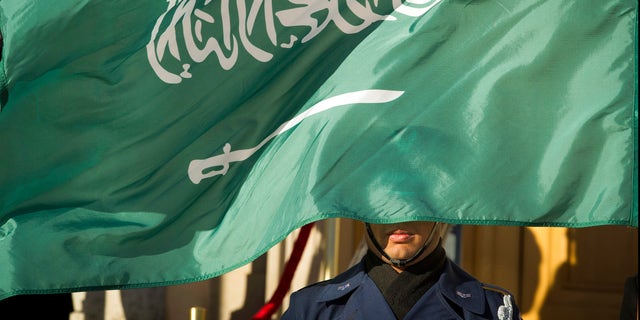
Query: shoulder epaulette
[490, 287]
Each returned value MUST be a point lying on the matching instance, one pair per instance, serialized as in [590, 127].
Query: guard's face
[403, 240]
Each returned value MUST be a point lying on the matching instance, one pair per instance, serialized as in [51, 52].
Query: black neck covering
[403, 290]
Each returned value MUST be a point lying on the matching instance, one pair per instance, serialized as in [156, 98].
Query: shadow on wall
[532, 258]
[590, 283]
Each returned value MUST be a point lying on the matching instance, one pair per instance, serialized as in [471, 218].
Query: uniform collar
[455, 284]
[462, 289]
[343, 284]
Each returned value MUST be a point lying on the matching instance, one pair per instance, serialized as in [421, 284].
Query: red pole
[287, 276]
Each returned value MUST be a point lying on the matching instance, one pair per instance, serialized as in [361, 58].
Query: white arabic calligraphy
[203, 168]
[199, 21]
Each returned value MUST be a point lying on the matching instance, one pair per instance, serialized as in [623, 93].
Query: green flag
[155, 143]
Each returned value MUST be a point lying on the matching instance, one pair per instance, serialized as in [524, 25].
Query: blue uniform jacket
[353, 295]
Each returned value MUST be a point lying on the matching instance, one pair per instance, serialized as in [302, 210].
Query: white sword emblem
[203, 168]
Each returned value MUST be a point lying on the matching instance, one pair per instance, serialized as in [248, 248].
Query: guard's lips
[399, 231]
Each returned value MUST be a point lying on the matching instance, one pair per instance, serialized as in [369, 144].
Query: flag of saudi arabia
[157, 142]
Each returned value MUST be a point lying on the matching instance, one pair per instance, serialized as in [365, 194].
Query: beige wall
[555, 273]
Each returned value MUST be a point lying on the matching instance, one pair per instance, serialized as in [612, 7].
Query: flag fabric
[153, 143]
